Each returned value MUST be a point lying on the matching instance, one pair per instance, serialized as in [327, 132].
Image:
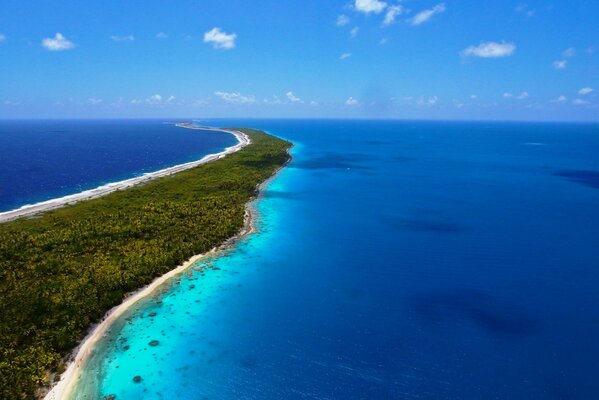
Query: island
[63, 270]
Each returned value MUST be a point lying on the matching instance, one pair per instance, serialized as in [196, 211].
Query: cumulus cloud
[154, 99]
[391, 14]
[345, 56]
[351, 102]
[570, 52]
[57, 43]
[161, 35]
[580, 102]
[93, 101]
[354, 32]
[490, 50]
[273, 100]
[220, 39]
[292, 98]
[523, 8]
[370, 6]
[342, 20]
[426, 15]
[561, 99]
[521, 96]
[127, 38]
[235, 98]
[560, 64]
[585, 90]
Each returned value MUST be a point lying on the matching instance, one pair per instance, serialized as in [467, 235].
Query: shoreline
[31, 210]
[63, 389]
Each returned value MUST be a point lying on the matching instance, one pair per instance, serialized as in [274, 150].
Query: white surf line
[32, 209]
[64, 389]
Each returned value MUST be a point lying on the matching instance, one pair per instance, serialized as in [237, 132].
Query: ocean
[42, 160]
[393, 260]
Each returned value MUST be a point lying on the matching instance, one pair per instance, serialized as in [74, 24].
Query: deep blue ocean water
[41, 160]
[394, 260]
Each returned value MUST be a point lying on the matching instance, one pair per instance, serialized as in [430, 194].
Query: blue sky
[466, 59]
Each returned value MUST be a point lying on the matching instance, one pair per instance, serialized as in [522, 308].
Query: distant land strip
[33, 209]
[61, 272]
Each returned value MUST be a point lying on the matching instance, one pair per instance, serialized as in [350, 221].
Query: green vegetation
[62, 271]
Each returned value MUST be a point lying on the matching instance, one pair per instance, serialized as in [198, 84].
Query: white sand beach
[33, 209]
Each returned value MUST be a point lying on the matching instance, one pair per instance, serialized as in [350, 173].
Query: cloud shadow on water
[335, 161]
[585, 177]
[481, 308]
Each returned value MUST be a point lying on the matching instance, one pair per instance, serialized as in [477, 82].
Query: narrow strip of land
[61, 272]
[33, 209]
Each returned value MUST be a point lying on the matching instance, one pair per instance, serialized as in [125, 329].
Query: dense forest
[63, 270]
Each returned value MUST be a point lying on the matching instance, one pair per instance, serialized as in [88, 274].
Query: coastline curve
[53, 204]
[65, 387]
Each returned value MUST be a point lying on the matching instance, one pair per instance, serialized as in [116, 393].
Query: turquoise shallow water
[393, 260]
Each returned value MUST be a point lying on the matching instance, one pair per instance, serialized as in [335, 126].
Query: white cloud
[274, 100]
[392, 13]
[128, 38]
[523, 8]
[370, 6]
[560, 64]
[345, 56]
[424, 16]
[585, 90]
[354, 32]
[473, 96]
[136, 101]
[490, 50]
[432, 100]
[342, 20]
[171, 99]
[383, 41]
[57, 43]
[314, 103]
[571, 52]
[351, 102]
[2, 37]
[161, 35]
[94, 101]
[154, 99]
[561, 99]
[11, 103]
[580, 102]
[235, 98]
[220, 39]
[292, 98]
[591, 50]
[521, 96]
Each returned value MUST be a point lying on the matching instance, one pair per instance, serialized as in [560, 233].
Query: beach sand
[65, 387]
[68, 380]
[31, 210]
